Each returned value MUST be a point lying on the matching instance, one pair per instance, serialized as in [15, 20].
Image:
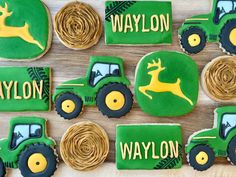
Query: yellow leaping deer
[157, 86]
[11, 31]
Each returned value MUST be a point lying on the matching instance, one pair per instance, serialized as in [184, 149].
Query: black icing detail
[194, 152]
[184, 40]
[169, 163]
[101, 96]
[117, 8]
[192, 23]
[232, 151]
[38, 74]
[69, 96]
[46, 151]
[2, 169]
[224, 37]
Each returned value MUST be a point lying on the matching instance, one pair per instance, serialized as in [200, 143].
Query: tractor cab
[223, 7]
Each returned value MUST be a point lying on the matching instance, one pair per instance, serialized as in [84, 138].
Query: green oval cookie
[166, 84]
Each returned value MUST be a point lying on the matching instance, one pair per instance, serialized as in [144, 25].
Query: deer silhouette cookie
[25, 29]
[166, 84]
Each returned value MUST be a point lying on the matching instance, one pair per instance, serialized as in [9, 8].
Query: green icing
[178, 66]
[219, 137]
[156, 139]
[146, 8]
[22, 75]
[34, 13]
[10, 156]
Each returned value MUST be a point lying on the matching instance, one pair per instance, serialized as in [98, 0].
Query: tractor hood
[201, 137]
[3, 147]
[73, 82]
[197, 19]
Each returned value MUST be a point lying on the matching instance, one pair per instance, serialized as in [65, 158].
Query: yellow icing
[194, 40]
[11, 31]
[68, 106]
[232, 36]
[37, 163]
[156, 85]
[115, 100]
[201, 158]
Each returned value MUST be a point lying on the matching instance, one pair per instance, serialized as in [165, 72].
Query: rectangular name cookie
[148, 146]
[138, 22]
[25, 89]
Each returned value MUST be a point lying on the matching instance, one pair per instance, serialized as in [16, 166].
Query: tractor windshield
[228, 123]
[224, 7]
[103, 70]
[24, 132]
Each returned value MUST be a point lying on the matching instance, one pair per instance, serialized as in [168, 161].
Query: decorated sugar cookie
[217, 26]
[166, 84]
[220, 141]
[219, 79]
[138, 22]
[104, 85]
[148, 146]
[25, 89]
[78, 26]
[28, 148]
[84, 146]
[25, 32]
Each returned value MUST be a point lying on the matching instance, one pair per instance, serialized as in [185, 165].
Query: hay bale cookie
[166, 84]
[219, 79]
[84, 146]
[25, 32]
[78, 26]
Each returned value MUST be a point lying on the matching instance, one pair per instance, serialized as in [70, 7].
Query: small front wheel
[201, 157]
[114, 100]
[232, 151]
[69, 105]
[38, 160]
[2, 169]
[193, 40]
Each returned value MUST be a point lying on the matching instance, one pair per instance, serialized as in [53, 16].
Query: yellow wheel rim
[68, 106]
[232, 36]
[194, 40]
[115, 100]
[37, 163]
[202, 158]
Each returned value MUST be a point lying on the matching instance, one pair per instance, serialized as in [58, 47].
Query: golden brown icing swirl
[84, 146]
[78, 26]
[220, 78]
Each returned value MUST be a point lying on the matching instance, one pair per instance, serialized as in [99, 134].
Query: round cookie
[219, 79]
[78, 26]
[25, 32]
[166, 84]
[84, 146]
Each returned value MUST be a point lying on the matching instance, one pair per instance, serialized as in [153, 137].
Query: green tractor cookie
[104, 85]
[220, 141]
[28, 148]
[217, 26]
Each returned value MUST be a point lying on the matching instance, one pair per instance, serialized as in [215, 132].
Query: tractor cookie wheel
[228, 37]
[193, 40]
[69, 105]
[201, 157]
[114, 100]
[38, 160]
[232, 151]
[2, 169]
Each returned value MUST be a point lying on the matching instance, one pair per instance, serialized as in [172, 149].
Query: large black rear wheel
[38, 160]
[228, 37]
[193, 40]
[232, 151]
[69, 105]
[114, 100]
[2, 169]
